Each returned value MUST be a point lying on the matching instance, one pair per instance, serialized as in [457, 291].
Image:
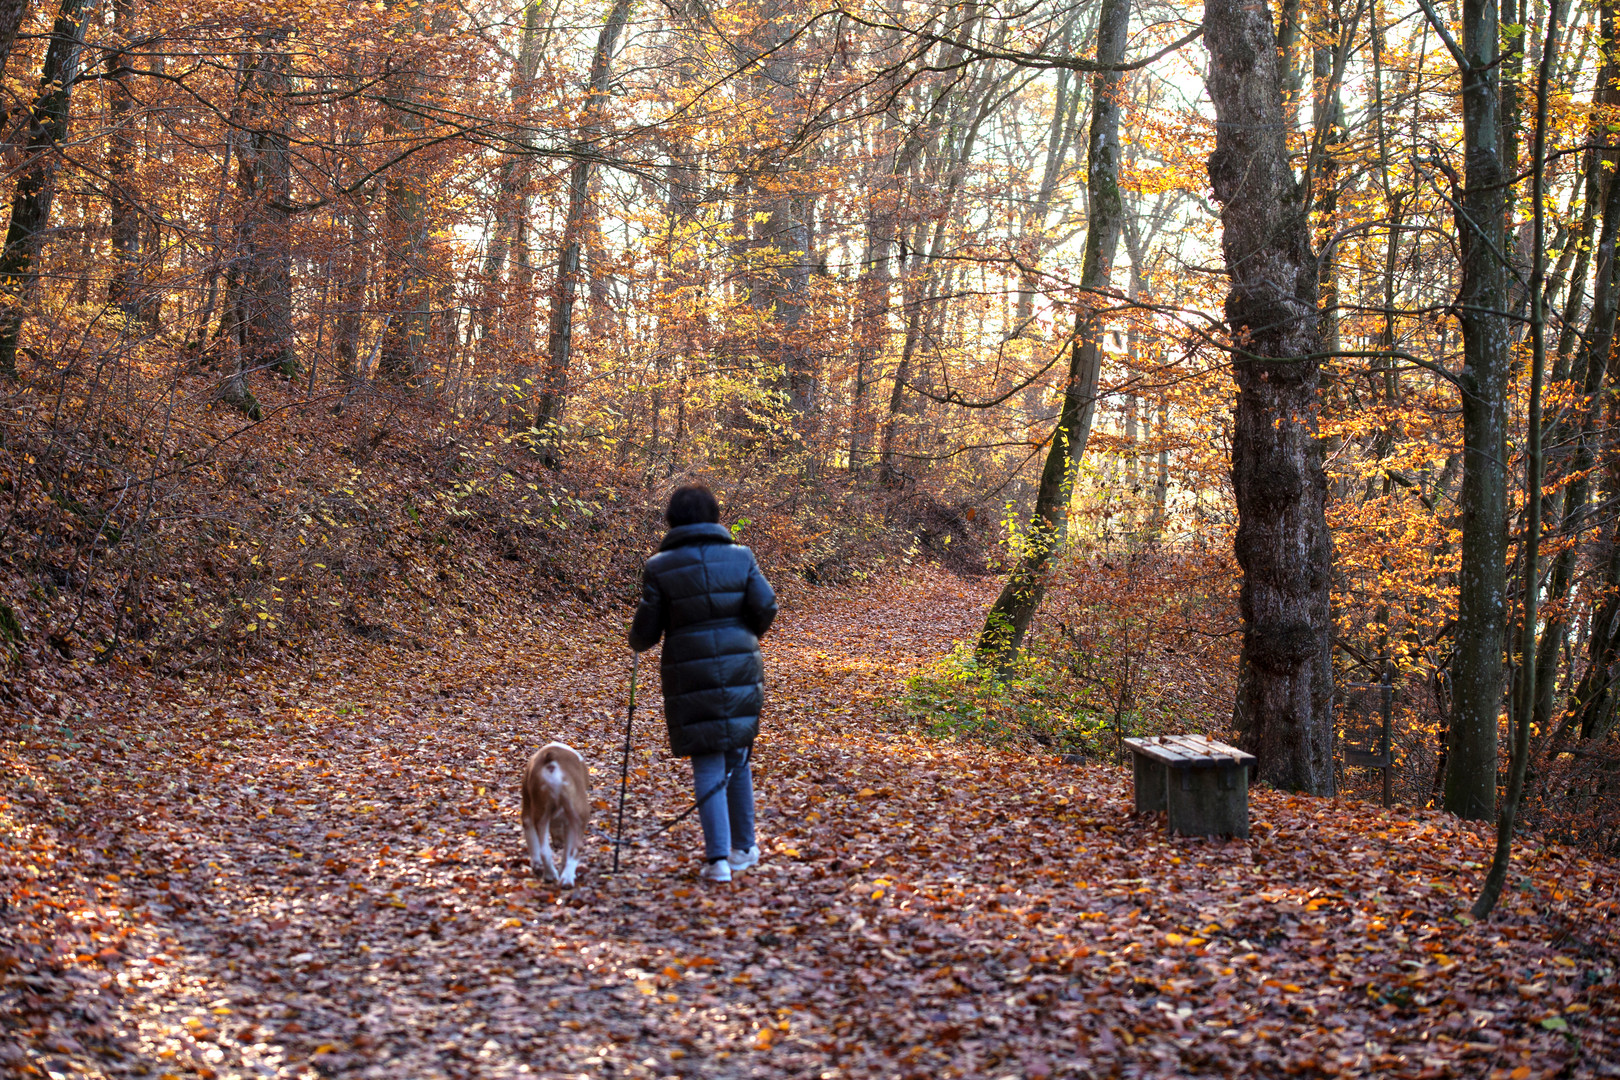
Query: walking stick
[624, 770]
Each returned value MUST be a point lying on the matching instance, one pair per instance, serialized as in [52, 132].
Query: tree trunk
[1327, 104]
[1591, 362]
[234, 390]
[1496, 876]
[124, 288]
[31, 199]
[919, 290]
[264, 293]
[352, 291]
[1284, 707]
[511, 199]
[12, 14]
[1476, 669]
[560, 336]
[1008, 621]
[402, 353]
[1059, 138]
[872, 319]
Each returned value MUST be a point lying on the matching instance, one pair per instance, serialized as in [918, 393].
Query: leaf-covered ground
[316, 871]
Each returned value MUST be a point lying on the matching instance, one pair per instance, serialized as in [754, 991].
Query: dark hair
[691, 505]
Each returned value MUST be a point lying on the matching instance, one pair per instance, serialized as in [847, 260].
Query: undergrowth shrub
[1138, 640]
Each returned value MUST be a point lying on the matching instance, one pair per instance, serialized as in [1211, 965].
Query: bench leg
[1149, 777]
[1209, 802]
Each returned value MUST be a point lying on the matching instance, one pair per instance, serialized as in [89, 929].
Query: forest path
[319, 873]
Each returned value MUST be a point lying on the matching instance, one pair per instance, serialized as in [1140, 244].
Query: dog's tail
[551, 775]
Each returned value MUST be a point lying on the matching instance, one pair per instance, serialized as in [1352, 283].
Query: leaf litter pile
[316, 870]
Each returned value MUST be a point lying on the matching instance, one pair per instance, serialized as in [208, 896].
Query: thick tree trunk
[402, 355]
[124, 288]
[1283, 712]
[31, 199]
[234, 390]
[1008, 621]
[12, 14]
[781, 292]
[1476, 669]
[1496, 876]
[264, 294]
[560, 336]
[499, 306]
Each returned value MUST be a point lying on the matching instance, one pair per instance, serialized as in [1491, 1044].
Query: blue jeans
[728, 815]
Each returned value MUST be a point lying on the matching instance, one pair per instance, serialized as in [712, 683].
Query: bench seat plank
[1189, 750]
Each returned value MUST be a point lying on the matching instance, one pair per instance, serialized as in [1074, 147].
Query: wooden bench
[1203, 786]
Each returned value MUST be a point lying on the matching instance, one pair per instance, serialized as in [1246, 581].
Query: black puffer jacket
[705, 596]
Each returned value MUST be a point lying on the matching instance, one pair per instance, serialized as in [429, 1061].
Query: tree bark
[1592, 358]
[560, 336]
[512, 199]
[124, 287]
[355, 216]
[1007, 623]
[12, 14]
[872, 325]
[402, 353]
[919, 288]
[1482, 302]
[1496, 876]
[31, 199]
[1283, 711]
[264, 293]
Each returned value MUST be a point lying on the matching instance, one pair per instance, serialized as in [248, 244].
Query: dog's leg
[532, 837]
[550, 863]
[571, 851]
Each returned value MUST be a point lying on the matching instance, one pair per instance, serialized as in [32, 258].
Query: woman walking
[704, 595]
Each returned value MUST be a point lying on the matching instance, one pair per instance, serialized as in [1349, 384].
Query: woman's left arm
[759, 601]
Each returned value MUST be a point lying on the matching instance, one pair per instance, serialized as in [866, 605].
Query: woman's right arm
[648, 625]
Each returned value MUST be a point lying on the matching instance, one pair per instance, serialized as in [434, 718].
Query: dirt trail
[319, 874]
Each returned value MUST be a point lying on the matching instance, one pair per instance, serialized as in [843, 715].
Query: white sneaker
[742, 860]
[719, 870]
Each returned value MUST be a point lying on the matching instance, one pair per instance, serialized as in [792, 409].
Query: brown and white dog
[556, 803]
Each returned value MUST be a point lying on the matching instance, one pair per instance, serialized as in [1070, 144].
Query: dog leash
[705, 797]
